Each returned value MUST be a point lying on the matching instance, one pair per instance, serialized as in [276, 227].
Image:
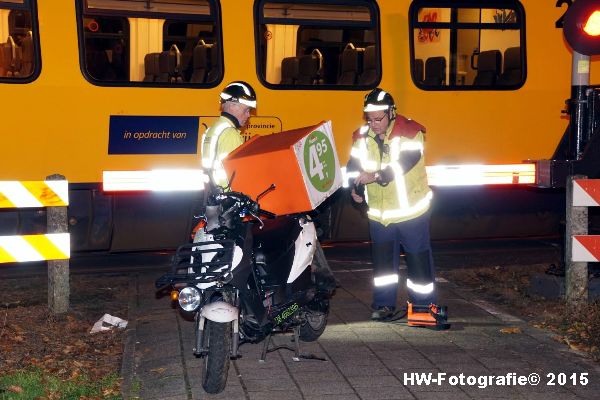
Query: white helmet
[239, 92]
[379, 100]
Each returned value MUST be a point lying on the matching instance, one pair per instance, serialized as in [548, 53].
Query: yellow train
[102, 85]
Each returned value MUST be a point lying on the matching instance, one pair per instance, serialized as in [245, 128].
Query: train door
[20, 63]
[125, 46]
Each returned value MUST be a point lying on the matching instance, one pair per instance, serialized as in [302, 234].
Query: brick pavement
[366, 360]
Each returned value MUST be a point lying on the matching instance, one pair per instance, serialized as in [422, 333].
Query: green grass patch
[32, 384]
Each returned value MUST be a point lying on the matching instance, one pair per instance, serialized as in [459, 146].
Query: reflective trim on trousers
[385, 280]
[421, 289]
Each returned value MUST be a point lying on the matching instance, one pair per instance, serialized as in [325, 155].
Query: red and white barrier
[586, 248]
[586, 192]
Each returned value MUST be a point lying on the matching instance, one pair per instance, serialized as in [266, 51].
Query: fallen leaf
[158, 370]
[560, 339]
[15, 389]
[19, 339]
[74, 374]
[584, 335]
[110, 392]
[17, 329]
[579, 346]
[514, 329]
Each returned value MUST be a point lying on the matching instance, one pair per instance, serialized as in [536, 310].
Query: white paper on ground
[107, 322]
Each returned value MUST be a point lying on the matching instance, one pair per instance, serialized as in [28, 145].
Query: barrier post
[58, 270]
[576, 272]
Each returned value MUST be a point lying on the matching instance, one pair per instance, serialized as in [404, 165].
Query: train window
[324, 45]
[106, 39]
[187, 37]
[473, 45]
[19, 41]
[161, 43]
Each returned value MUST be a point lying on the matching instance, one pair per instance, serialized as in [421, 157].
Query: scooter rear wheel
[315, 324]
[216, 361]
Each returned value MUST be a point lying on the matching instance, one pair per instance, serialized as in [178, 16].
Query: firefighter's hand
[365, 177]
[356, 197]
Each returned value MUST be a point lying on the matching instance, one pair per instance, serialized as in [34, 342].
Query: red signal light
[592, 26]
[582, 27]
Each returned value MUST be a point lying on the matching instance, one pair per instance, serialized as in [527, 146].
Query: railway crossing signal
[582, 27]
[586, 248]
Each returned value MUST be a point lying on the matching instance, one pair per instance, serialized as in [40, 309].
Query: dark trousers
[413, 236]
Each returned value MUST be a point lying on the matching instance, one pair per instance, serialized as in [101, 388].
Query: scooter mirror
[261, 195]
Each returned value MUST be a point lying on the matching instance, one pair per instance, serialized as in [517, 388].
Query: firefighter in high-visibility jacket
[238, 99]
[389, 178]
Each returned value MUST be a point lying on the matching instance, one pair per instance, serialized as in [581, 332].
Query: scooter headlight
[189, 298]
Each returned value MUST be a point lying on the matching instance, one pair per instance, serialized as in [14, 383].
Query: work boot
[383, 313]
[432, 316]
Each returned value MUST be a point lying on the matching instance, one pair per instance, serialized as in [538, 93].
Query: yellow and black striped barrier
[52, 246]
[34, 194]
[24, 194]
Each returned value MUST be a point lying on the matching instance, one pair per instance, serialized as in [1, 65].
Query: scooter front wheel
[216, 361]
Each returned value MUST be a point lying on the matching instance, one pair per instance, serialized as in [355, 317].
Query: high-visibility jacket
[217, 142]
[407, 195]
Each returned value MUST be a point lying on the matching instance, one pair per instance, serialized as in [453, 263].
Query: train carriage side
[73, 73]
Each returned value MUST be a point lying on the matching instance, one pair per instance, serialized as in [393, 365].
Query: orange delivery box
[301, 163]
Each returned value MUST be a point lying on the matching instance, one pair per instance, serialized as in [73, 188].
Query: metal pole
[580, 81]
[576, 273]
[58, 270]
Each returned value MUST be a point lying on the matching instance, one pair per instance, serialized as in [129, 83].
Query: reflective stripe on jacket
[407, 196]
[217, 142]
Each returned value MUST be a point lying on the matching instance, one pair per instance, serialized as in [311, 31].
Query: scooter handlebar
[246, 203]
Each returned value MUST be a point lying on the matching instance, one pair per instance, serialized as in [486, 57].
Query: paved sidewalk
[366, 360]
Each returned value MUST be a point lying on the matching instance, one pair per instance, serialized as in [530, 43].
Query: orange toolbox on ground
[301, 163]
